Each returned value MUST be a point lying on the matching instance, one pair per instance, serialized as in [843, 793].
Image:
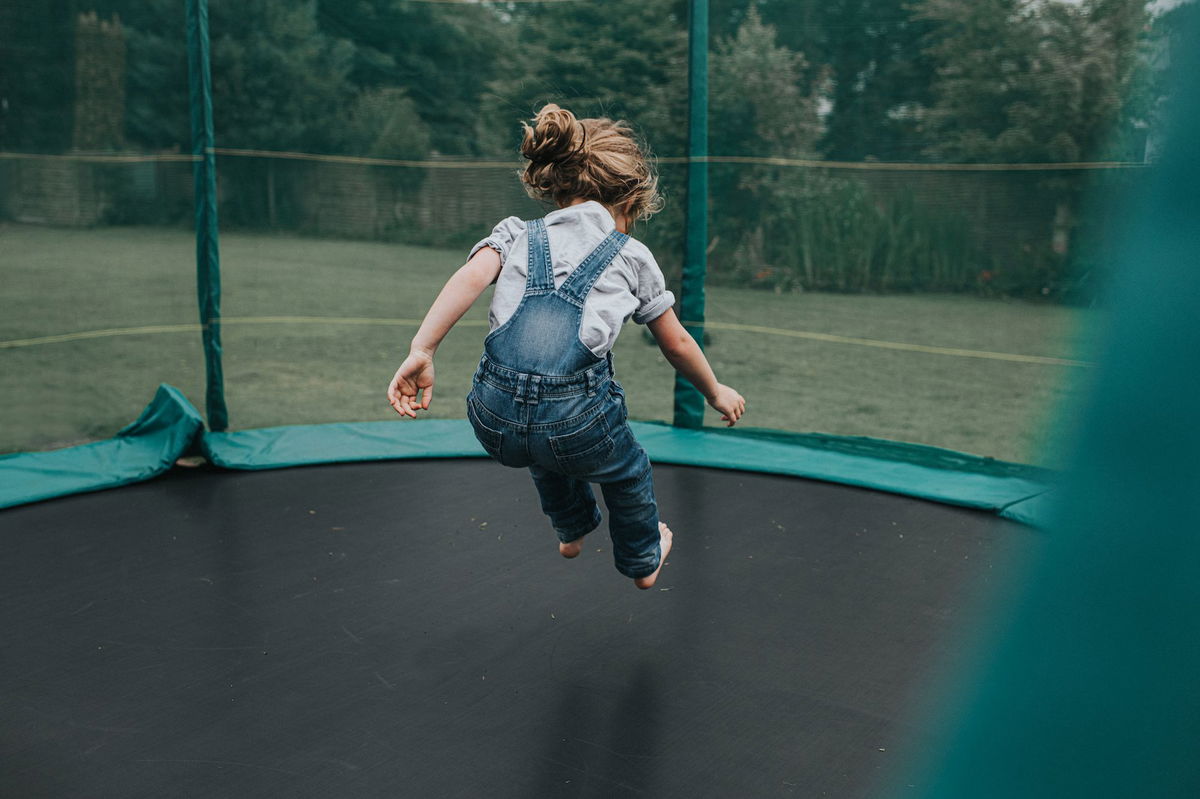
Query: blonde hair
[592, 159]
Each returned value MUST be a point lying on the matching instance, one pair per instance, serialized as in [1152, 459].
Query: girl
[544, 396]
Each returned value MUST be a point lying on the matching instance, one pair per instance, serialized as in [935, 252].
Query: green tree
[880, 76]
[1027, 82]
[1032, 82]
[279, 82]
[36, 75]
[984, 50]
[384, 123]
[1147, 100]
[624, 59]
[758, 107]
[757, 104]
[868, 55]
[442, 56]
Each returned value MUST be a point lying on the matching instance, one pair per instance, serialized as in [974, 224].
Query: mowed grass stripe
[367, 321]
[894, 345]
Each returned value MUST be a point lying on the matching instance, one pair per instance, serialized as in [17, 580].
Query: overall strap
[580, 281]
[541, 269]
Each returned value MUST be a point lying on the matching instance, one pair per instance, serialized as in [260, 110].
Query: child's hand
[414, 375]
[730, 404]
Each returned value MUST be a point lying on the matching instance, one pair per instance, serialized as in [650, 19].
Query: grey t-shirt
[632, 287]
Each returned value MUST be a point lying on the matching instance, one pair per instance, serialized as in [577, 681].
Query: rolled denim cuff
[641, 567]
[574, 532]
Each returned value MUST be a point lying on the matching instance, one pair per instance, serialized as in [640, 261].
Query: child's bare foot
[665, 543]
[572, 549]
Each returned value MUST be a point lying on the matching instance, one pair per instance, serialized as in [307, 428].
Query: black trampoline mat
[408, 629]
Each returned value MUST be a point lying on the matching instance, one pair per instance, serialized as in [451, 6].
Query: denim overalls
[541, 399]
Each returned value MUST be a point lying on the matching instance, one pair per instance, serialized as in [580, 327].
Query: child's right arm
[460, 292]
[682, 351]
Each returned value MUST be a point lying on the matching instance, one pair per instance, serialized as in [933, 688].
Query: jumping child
[544, 396]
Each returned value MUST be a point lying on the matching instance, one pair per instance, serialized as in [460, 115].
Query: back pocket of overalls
[584, 450]
[489, 438]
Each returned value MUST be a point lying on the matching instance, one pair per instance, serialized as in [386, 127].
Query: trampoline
[408, 628]
[347, 608]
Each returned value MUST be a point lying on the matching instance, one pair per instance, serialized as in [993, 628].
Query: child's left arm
[415, 375]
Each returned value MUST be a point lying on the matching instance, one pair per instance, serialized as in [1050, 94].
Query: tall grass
[791, 231]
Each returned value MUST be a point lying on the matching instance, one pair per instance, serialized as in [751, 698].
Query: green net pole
[204, 173]
[689, 404]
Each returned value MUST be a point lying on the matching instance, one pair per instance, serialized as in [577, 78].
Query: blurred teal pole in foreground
[1091, 686]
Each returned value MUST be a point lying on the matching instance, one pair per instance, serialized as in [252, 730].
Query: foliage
[1023, 82]
[880, 76]
[278, 82]
[1014, 81]
[757, 103]
[1142, 115]
[1031, 82]
[759, 109]
[624, 59]
[834, 234]
[384, 123]
[867, 57]
[441, 56]
[35, 43]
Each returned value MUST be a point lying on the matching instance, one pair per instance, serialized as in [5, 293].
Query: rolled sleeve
[652, 309]
[654, 299]
[501, 238]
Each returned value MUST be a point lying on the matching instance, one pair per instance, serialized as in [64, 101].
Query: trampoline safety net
[904, 225]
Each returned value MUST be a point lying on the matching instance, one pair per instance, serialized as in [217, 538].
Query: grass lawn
[60, 281]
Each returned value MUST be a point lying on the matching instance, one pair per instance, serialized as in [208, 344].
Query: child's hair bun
[588, 159]
[555, 138]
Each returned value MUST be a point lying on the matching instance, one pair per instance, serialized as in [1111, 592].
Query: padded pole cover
[208, 259]
[689, 405]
